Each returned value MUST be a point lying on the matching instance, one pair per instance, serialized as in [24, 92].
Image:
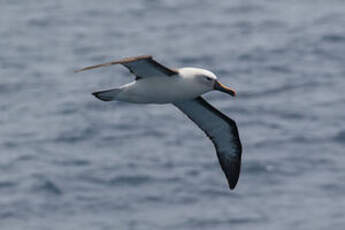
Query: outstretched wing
[222, 131]
[140, 66]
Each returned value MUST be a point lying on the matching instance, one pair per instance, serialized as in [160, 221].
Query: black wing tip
[232, 185]
[233, 174]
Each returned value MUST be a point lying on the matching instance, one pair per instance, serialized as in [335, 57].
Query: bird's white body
[184, 86]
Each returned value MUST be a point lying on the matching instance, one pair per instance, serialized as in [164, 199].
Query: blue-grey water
[69, 161]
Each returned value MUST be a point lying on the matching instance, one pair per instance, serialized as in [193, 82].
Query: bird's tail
[107, 95]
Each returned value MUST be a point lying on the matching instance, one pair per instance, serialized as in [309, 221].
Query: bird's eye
[208, 78]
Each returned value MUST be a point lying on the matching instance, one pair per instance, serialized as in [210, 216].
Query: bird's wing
[222, 131]
[140, 66]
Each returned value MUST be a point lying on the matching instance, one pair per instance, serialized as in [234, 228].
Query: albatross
[183, 87]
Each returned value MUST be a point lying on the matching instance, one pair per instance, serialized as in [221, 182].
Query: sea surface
[69, 161]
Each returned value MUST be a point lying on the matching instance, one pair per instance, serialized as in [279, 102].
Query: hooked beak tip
[219, 86]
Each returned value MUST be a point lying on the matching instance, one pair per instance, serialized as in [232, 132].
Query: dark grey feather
[222, 131]
[140, 66]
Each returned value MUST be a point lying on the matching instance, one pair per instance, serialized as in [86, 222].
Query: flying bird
[183, 87]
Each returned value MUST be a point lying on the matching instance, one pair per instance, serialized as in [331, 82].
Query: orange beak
[220, 87]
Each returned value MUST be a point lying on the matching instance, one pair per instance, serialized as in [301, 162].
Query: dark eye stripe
[208, 78]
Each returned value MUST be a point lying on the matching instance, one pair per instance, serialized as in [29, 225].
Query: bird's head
[209, 80]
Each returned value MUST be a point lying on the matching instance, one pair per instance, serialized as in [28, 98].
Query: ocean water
[69, 161]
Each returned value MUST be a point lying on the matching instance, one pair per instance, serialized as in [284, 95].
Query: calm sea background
[69, 161]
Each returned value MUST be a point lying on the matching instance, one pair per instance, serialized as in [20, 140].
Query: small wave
[195, 60]
[6, 214]
[280, 68]
[244, 9]
[333, 188]
[202, 222]
[131, 180]
[334, 38]
[10, 144]
[73, 136]
[153, 198]
[257, 167]
[48, 186]
[75, 162]
[39, 22]
[7, 184]
[8, 88]
[279, 89]
[67, 108]
[68, 139]
[340, 137]
[218, 192]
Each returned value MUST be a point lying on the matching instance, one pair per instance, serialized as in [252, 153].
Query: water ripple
[47, 186]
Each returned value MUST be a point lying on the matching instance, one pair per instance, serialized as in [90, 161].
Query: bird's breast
[160, 90]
